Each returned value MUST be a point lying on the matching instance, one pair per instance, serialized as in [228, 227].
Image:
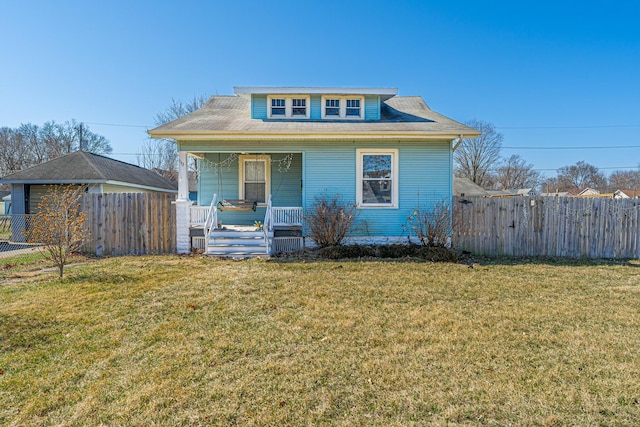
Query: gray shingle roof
[467, 187]
[232, 115]
[83, 167]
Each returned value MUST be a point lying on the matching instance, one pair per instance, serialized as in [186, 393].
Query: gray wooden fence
[131, 223]
[547, 226]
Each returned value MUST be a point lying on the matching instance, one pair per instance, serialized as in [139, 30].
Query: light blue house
[266, 153]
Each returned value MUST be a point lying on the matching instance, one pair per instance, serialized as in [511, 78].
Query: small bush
[432, 227]
[330, 220]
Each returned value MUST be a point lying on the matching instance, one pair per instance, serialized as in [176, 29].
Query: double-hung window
[288, 107]
[342, 107]
[353, 108]
[377, 179]
[254, 177]
[332, 107]
[298, 107]
[278, 107]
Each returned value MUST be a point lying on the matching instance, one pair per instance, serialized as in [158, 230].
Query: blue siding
[372, 107]
[316, 107]
[425, 178]
[258, 106]
[17, 199]
[224, 181]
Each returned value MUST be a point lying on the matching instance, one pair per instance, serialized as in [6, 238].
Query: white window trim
[267, 170]
[288, 102]
[360, 152]
[343, 107]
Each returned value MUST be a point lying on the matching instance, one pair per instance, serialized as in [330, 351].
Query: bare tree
[161, 155]
[624, 180]
[475, 158]
[70, 136]
[576, 178]
[59, 224]
[514, 172]
[29, 144]
[14, 152]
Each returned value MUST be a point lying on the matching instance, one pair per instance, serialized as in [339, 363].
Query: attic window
[332, 107]
[353, 108]
[278, 107]
[288, 107]
[299, 107]
[342, 107]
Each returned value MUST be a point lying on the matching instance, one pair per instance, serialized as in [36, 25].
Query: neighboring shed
[464, 187]
[100, 174]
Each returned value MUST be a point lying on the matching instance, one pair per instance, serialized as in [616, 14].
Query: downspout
[457, 144]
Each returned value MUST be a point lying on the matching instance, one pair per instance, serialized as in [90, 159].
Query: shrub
[330, 220]
[432, 227]
[59, 224]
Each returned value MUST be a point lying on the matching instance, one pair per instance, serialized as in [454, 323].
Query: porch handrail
[199, 215]
[287, 216]
[211, 221]
[267, 226]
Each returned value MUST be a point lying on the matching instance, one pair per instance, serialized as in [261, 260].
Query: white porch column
[183, 176]
[183, 206]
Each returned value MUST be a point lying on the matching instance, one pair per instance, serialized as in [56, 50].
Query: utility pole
[80, 135]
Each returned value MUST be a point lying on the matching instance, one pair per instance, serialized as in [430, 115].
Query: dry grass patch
[196, 341]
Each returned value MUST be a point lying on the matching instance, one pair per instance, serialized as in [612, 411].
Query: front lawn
[197, 341]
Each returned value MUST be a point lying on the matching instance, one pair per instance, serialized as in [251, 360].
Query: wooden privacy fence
[547, 226]
[130, 224]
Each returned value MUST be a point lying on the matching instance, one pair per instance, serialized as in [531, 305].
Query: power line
[569, 127]
[117, 125]
[584, 147]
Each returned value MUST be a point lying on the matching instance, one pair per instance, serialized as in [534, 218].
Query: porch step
[237, 244]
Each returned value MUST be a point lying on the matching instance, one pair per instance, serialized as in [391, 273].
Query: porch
[278, 230]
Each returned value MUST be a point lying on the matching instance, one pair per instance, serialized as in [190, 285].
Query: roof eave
[299, 136]
[247, 91]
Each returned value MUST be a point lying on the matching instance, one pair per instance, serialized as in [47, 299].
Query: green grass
[195, 341]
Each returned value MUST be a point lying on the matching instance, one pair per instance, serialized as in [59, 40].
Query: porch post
[183, 177]
[183, 206]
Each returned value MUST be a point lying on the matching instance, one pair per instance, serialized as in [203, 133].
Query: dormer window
[299, 107]
[332, 108]
[353, 108]
[342, 107]
[288, 107]
[278, 107]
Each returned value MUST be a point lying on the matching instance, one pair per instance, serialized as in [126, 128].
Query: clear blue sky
[547, 74]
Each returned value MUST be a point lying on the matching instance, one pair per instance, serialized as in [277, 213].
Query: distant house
[98, 173]
[626, 194]
[267, 153]
[464, 187]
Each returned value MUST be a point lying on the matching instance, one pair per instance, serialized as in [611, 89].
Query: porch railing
[211, 221]
[267, 225]
[287, 216]
[199, 214]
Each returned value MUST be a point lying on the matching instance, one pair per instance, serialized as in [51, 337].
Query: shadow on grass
[398, 253]
[550, 261]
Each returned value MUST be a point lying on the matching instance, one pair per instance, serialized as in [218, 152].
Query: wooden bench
[237, 205]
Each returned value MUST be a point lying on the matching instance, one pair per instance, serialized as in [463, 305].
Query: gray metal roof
[232, 115]
[83, 167]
